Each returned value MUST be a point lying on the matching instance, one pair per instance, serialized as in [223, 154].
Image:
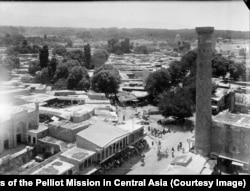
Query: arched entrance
[20, 130]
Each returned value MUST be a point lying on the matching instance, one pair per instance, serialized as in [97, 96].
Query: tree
[69, 44]
[52, 66]
[61, 84]
[99, 58]
[87, 54]
[126, 45]
[106, 79]
[111, 45]
[220, 66]
[12, 62]
[78, 79]
[176, 104]
[43, 76]
[60, 50]
[34, 66]
[177, 72]
[61, 71]
[72, 63]
[158, 82]
[76, 55]
[25, 43]
[44, 56]
[236, 70]
[141, 49]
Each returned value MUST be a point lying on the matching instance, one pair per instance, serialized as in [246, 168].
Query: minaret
[204, 91]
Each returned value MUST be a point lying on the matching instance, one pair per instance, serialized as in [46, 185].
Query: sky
[229, 15]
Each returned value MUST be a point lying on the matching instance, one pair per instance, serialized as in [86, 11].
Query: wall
[232, 140]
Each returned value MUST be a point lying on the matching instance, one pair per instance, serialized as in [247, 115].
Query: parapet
[204, 30]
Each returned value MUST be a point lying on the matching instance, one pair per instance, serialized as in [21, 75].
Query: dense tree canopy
[176, 104]
[141, 49]
[106, 79]
[76, 55]
[60, 50]
[237, 70]
[62, 71]
[78, 79]
[71, 63]
[99, 58]
[220, 66]
[158, 82]
[119, 47]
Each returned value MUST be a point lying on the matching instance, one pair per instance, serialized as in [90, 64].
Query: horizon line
[121, 28]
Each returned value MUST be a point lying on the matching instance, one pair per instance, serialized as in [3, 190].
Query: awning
[237, 163]
[232, 159]
[229, 158]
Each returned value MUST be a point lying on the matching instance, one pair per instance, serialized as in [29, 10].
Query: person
[172, 152]
[143, 161]
[180, 144]
[159, 142]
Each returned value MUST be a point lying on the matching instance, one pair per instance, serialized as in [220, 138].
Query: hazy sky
[168, 15]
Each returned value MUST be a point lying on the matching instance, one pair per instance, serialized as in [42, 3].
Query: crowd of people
[158, 133]
[120, 158]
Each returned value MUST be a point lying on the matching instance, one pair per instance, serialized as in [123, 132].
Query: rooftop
[77, 153]
[235, 119]
[41, 128]
[55, 167]
[63, 145]
[69, 125]
[102, 134]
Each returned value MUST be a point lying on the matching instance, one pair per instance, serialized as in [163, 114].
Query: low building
[15, 123]
[35, 134]
[103, 138]
[66, 130]
[81, 158]
[231, 137]
[56, 167]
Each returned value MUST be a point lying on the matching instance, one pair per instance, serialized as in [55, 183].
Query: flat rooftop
[234, 119]
[77, 153]
[69, 125]
[56, 167]
[40, 129]
[63, 145]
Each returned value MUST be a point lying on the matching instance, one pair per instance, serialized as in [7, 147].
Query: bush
[61, 84]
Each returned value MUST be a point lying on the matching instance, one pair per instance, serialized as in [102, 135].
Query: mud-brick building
[231, 137]
[15, 124]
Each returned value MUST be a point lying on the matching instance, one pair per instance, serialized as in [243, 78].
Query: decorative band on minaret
[203, 125]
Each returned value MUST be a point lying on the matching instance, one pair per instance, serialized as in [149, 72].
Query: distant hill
[121, 33]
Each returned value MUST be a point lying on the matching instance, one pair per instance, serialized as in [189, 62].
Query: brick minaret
[204, 91]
